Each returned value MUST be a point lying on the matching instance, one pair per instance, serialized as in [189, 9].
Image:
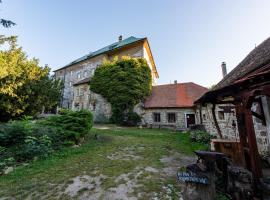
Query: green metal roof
[108, 48]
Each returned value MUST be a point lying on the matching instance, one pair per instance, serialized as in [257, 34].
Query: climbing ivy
[124, 83]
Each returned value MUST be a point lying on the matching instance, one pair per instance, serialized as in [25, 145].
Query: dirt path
[128, 185]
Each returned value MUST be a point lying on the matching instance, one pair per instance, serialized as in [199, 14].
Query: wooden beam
[215, 121]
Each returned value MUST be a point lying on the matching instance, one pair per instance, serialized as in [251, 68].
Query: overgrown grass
[49, 177]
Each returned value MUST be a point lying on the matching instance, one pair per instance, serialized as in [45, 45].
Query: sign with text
[192, 178]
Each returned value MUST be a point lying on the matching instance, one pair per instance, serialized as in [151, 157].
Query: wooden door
[190, 119]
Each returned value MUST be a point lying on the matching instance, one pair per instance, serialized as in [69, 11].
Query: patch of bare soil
[174, 162]
[127, 153]
[106, 126]
[87, 187]
[127, 184]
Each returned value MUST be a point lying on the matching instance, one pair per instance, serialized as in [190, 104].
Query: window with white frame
[81, 91]
[78, 74]
[85, 74]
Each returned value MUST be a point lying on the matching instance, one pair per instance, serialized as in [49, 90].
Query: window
[70, 83]
[94, 105]
[71, 73]
[204, 117]
[156, 117]
[81, 91]
[77, 92]
[221, 115]
[171, 118]
[93, 71]
[78, 75]
[85, 74]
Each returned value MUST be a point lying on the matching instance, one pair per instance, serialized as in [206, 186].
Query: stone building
[172, 105]
[225, 114]
[77, 74]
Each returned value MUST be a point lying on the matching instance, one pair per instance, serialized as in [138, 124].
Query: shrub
[5, 162]
[33, 147]
[25, 140]
[131, 119]
[200, 136]
[75, 124]
[13, 133]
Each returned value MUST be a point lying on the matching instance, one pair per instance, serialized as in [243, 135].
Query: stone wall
[225, 124]
[229, 132]
[86, 99]
[260, 131]
[76, 73]
[147, 117]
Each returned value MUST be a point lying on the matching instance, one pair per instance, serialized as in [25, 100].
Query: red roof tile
[180, 95]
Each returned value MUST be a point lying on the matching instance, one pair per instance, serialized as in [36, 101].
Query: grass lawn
[123, 163]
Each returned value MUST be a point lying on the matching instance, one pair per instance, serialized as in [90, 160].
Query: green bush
[131, 119]
[25, 140]
[32, 147]
[76, 124]
[13, 133]
[200, 136]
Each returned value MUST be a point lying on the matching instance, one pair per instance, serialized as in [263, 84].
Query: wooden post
[241, 129]
[252, 143]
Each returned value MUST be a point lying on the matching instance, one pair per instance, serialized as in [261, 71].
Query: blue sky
[189, 39]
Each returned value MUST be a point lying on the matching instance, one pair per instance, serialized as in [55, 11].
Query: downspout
[215, 120]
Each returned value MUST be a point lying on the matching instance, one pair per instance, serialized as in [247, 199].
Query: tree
[25, 87]
[6, 23]
[124, 83]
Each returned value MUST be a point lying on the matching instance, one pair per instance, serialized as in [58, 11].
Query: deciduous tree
[25, 86]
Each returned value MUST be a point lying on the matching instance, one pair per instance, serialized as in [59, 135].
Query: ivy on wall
[124, 83]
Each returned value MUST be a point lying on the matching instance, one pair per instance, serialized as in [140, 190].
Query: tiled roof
[108, 48]
[86, 80]
[257, 58]
[181, 95]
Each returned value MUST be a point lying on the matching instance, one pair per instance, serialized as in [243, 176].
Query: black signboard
[192, 178]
